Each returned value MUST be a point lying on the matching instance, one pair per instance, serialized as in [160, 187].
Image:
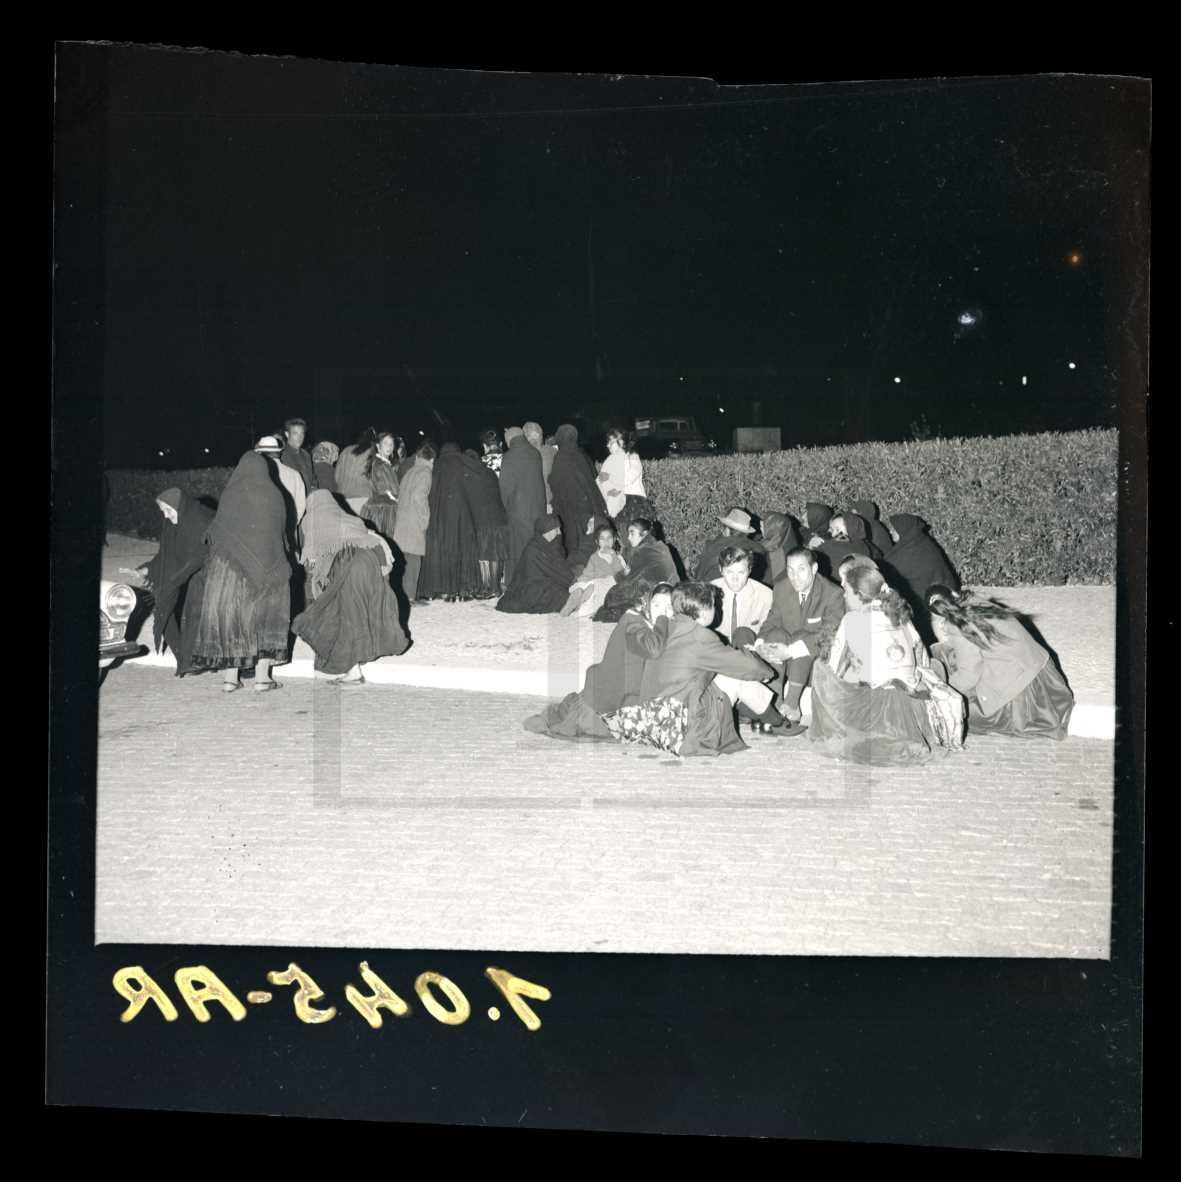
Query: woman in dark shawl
[780, 536]
[481, 489]
[850, 537]
[522, 492]
[879, 535]
[354, 618]
[816, 518]
[542, 576]
[451, 564]
[639, 636]
[650, 562]
[917, 559]
[576, 493]
[176, 575]
[246, 605]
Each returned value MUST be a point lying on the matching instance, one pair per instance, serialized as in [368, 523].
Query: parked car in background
[671, 435]
[116, 602]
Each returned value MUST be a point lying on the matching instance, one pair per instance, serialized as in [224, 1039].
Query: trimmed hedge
[1010, 511]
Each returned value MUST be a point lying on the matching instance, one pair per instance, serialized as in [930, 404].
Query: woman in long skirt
[246, 606]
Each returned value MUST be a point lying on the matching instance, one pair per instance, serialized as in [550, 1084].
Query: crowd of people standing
[339, 546]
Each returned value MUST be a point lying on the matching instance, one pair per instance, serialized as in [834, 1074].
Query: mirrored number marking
[451, 991]
[382, 998]
[515, 989]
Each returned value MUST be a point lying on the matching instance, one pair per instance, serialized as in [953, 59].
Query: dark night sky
[281, 236]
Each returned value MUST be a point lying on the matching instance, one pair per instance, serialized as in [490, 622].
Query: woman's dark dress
[451, 564]
[246, 604]
[612, 683]
[355, 619]
[379, 510]
[176, 577]
[575, 492]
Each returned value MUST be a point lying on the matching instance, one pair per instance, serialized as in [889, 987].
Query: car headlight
[119, 602]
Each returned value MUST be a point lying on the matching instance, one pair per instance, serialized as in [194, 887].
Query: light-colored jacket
[624, 472]
[414, 508]
[293, 483]
[753, 607]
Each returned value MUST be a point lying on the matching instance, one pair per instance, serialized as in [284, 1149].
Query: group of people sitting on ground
[685, 660]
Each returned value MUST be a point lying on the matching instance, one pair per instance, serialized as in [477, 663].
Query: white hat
[738, 519]
[268, 443]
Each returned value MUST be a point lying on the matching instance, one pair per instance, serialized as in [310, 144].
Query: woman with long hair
[876, 699]
[651, 561]
[246, 605]
[381, 509]
[1010, 681]
[352, 470]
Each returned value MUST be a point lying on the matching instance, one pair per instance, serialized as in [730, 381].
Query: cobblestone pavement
[393, 817]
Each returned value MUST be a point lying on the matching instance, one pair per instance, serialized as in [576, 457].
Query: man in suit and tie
[745, 606]
[806, 610]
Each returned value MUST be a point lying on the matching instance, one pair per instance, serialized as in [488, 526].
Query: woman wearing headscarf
[451, 564]
[353, 618]
[817, 515]
[848, 536]
[541, 577]
[639, 636]
[492, 451]
[876, 699]
[1012, 685]
[246, 605]
[576, 493]
[324, 457]
[879, 535]
[917, 559]
[175, 575]
[381, 509]
[780, 537]
[352, 479]
[481, 489]
[522, 492]
[651, 562]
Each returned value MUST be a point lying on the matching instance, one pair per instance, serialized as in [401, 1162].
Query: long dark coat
[522, 492]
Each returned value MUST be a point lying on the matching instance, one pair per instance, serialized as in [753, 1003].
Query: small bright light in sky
[897, 380]
[682, 377]
[207, 451]
[967, 318]
[422, 432]
[159, 453]
[1071, 365]
[1075, 258]
[1024, 380]
[721, 410]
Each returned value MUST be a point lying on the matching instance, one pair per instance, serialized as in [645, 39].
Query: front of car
[116, 602]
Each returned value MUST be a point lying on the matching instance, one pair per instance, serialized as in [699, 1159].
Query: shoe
[789, 729]
[230, 687]
[263, 687]
[348, 680]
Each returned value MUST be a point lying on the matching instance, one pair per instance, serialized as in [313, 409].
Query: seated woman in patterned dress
[1012, 685]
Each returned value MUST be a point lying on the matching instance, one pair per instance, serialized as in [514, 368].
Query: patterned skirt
[660, 723]
[239, 626]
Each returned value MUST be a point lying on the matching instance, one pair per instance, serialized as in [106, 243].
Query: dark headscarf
[838, 549]
[918, 559]
[250, 528]
[817, 515]
[879, 535]
[575, 492]
[540, 583]
[780, 536]
[182, 553]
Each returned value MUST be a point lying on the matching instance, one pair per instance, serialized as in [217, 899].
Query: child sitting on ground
[597, 577]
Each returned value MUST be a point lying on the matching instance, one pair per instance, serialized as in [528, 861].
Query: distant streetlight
[159, 453]
[1071, 365]
[1024, 380]
[207, 451]
[721, 410]
[422, 432]
[897, 381]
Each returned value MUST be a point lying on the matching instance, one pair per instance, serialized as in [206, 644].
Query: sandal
[348, 680]
[263, 687]
[230, 687]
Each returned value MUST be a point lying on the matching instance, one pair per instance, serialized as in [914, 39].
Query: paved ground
[472, 646]
[388, 817]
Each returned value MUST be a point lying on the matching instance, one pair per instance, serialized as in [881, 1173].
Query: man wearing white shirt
[745, 607]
